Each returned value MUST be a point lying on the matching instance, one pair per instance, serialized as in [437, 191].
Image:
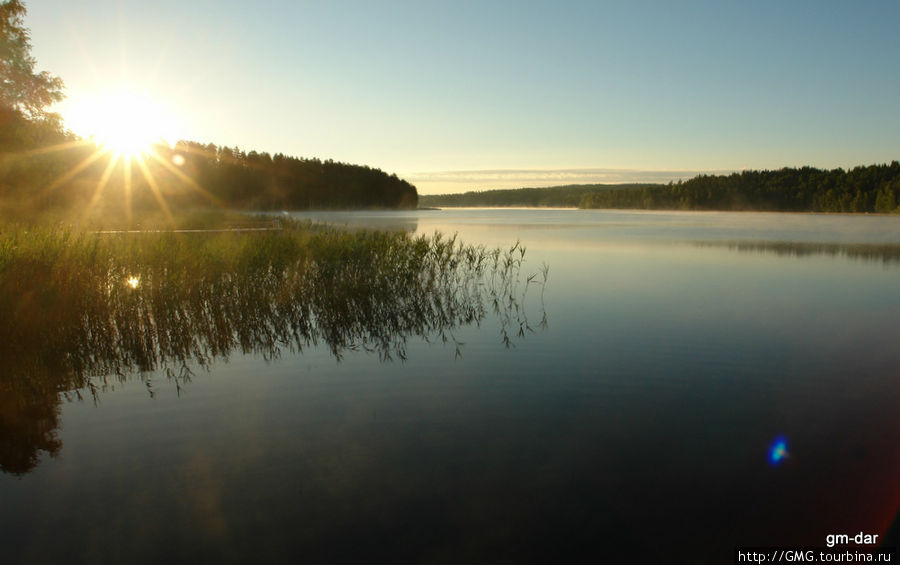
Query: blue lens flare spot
[778, 451]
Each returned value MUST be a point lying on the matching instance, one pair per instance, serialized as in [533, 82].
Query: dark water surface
[630, 422]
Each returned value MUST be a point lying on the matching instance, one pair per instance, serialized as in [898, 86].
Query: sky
[460, 95]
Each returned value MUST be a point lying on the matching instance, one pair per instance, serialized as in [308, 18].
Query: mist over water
[627, 414]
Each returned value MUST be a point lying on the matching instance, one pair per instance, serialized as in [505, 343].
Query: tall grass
[91, 304]
[82, 309]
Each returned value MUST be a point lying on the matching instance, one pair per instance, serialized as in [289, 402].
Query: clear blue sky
[461, 95]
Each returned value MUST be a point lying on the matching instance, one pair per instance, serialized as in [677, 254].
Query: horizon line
[504, 179]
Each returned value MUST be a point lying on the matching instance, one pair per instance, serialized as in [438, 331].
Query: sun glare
[126, 123]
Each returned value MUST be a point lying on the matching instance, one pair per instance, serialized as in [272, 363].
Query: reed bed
[88, 304]
[81, 310]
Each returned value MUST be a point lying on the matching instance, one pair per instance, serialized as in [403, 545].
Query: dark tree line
[262, 181]
[568, 196]
[864, 189]
[57, 172]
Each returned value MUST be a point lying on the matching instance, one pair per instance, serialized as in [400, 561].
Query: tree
[21, 88]
[885, 201]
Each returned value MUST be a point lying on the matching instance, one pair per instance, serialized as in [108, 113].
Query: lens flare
[778, 452]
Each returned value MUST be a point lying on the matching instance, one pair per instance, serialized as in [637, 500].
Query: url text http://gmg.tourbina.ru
[839, 548]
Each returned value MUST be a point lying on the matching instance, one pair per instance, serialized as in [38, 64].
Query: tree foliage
[188, 175]
[863, 189]
[22, 88]
[260, 181]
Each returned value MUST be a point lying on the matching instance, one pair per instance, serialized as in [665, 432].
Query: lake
[621, 408]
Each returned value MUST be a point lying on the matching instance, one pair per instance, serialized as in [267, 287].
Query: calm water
[631, 420]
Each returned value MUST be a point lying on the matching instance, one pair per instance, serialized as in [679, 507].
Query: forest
[863, 189]
[259, 181]
[568, 196]
[46, 169]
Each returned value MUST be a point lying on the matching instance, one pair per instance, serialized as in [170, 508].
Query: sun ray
[57, 147]
[72, 173]
[205, 153]
[44, 150]
[157, 193]
[194, 150]
[101, 184]
[126, 176]
[190, 182]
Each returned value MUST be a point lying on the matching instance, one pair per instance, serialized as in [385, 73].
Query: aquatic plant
[80, 310]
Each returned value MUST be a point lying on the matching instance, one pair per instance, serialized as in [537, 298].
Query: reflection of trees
[883, 252]
[78, 310]
[29, 417]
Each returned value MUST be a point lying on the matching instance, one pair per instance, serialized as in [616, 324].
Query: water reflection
[886, 253]
[29, 420]
[68, 333]
[387, 220]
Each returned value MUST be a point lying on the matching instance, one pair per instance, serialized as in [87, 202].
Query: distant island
[567, 196]
[864, 189]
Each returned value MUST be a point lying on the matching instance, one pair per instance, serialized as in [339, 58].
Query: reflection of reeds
[91, 304]
[79, 310]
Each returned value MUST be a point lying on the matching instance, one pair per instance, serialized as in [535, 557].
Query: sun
[127, 123]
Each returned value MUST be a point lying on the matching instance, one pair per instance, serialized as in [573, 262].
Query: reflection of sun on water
[134, 282]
